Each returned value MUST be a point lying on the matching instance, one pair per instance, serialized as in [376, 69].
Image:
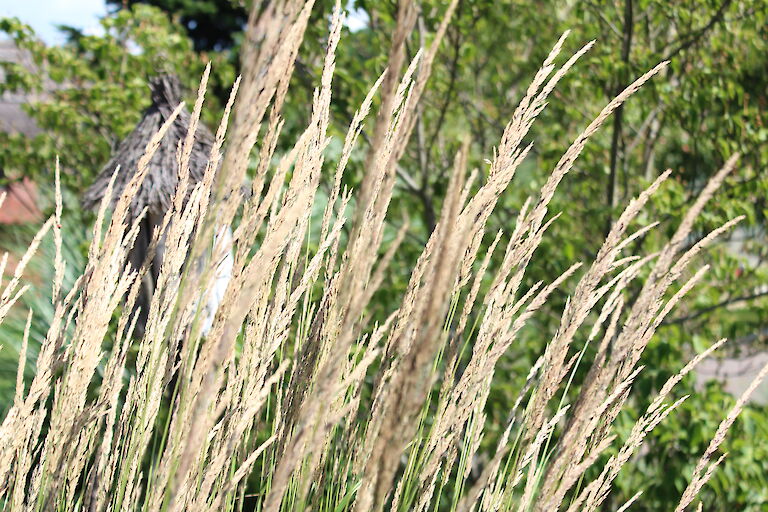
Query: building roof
[13, 118]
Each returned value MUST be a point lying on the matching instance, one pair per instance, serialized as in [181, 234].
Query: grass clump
[295, 398]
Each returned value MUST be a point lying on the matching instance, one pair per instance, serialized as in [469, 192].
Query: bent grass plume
[296, 399]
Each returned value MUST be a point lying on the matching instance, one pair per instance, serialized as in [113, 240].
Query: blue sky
[44, 15]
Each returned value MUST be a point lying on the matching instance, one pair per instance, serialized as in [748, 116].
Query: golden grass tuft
[295, 395]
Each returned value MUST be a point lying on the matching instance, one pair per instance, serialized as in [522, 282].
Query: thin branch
[698, 34]
[714, 307]
[618, 116]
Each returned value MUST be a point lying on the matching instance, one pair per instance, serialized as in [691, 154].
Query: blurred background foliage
[709, 104]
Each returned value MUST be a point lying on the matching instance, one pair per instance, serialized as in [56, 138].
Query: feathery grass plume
[577, 309]
[21, 426]
[704, 469]
[629, 502]
[272, 39]
[344, 298]
[644, 317]
[586, 295]
[411, 109]
[472, 219]
[425, 72]
[178, 226]
[595, 492]
[409, 385]
[108, 281]
[406, 20]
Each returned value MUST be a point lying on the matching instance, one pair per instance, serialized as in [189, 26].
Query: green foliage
[95, 91]
[15, 239]
[211, 24]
